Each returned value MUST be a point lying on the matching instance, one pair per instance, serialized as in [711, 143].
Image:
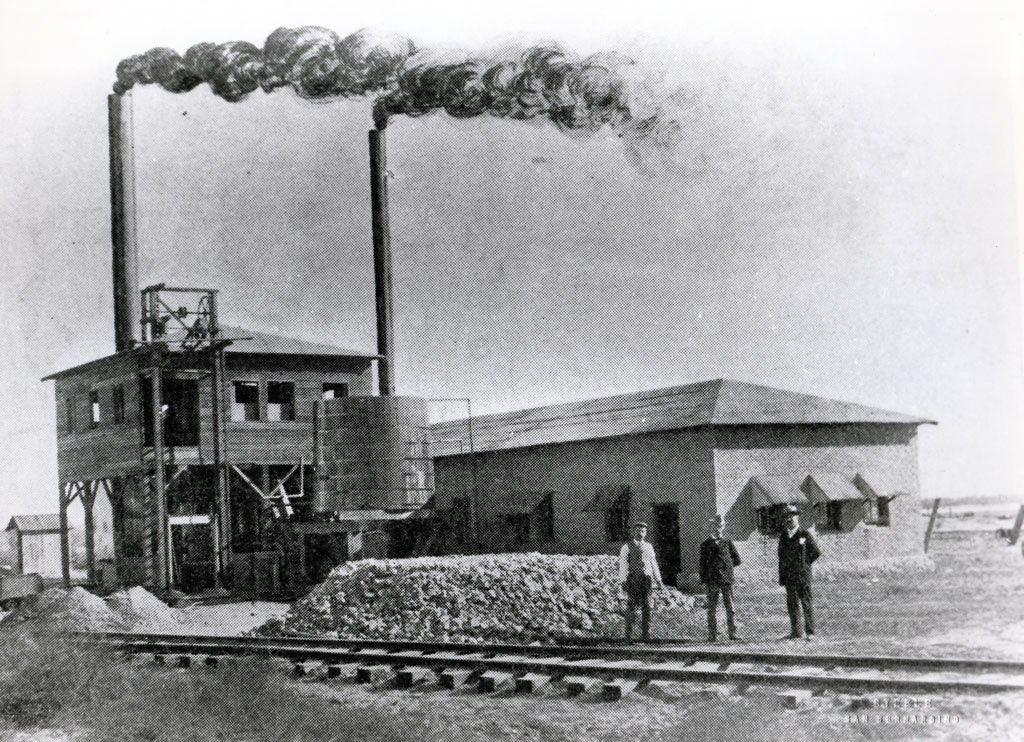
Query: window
[280, 400]
[94, 409]
[770, 519]
[69, 410]
[616, 518]
[246, 403]
[334, 391]
[876, 511]
[834, 515]
[118, 404]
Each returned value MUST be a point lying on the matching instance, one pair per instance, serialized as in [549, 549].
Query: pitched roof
[245, 342]
[42, 522]
[264, 343]
[717, 402]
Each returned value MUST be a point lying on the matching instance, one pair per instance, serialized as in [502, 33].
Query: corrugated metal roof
[41, 522]
[718, 402]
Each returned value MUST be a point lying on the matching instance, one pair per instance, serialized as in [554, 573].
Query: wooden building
[569, 478]
[214, 518]
[37, 539]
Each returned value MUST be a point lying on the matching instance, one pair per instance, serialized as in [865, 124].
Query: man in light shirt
[638, 572]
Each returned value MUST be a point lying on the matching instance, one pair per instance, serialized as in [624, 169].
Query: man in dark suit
[797, 551]
[718, 555]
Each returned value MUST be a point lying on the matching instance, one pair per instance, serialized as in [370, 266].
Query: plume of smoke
[579, 95]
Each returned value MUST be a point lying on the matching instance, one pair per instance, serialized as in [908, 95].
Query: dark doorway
[666, 541]
[181, 411]
[324, 552]
[192, 551]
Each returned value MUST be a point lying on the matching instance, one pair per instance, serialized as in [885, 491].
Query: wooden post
[160, 503]
[88, 498]
[65, 545]
[319, 490]
[1015, 533]
[931, 523]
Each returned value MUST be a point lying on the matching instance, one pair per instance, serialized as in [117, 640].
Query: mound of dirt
[497, 597]
[64, 610]
[143, 611]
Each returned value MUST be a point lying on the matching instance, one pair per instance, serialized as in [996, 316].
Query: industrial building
[569, 478]
[234, 458]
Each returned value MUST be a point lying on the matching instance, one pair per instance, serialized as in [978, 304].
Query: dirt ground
[971, 605]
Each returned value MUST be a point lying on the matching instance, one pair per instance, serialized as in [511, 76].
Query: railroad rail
[617, 670]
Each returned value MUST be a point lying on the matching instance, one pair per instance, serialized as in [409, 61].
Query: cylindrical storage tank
[376, 454]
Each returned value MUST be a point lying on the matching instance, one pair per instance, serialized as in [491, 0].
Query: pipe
[123, 229]
[382, 261]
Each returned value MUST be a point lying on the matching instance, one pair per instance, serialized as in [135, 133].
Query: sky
[840, 218]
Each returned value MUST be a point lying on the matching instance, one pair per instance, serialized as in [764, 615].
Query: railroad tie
[410, 676]
[494, 680]
[374, 674]
[789, 698]
[578, 684]
[345, 671]
[303, 668]
[455, 677]
[531, 682]
[666, 690]
[619, 688]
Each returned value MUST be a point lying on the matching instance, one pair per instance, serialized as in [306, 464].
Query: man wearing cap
[718, 556]
[638, 571]
[797, 551]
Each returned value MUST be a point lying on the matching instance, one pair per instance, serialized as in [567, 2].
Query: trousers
[730, 618]
[638, 595]
[798, 597]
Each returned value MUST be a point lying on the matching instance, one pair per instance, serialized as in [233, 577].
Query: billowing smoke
[579, 95]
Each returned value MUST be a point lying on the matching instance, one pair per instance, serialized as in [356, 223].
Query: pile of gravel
[64, 610]
[143, 611]
[499, 597]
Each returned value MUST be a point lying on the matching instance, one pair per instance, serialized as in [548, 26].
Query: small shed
[38, 543]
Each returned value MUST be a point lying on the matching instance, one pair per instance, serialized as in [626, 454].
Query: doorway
[666, 541]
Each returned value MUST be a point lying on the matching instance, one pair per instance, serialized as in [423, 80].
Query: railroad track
[615, 670]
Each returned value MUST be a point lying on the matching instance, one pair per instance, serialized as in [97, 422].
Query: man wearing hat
[797, 551]
[638, 571]
[718, 556]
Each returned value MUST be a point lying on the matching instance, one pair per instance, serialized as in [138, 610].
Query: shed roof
[35, 523]
[718, 402]
[244, 342]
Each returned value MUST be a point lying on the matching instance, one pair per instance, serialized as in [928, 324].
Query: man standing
[797, 551]
[718, 556]
[638, 571]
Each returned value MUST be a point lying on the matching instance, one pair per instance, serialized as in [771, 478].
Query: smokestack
[123, 232]
[382, 262]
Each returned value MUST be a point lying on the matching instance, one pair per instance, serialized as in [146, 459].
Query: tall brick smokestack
[382, 261]
[123, 231]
